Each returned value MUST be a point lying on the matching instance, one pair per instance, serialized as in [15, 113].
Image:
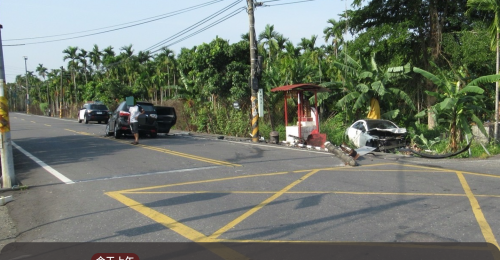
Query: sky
[37, 19]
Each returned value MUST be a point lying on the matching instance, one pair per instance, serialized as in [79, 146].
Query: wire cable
[145, 19]
[133, 25]
[222, 19]
[192, 27]
[235, 12]
[289, 3]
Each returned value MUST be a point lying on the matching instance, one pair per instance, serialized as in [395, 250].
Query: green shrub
[335, 128]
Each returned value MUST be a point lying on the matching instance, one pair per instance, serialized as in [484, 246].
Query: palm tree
[95, 57]
[71, 54]
[491, 6]
[335, 32]
[108, 59]
[82, 57]
[42, 71]
[268, 38]
[308, 44]
[127, 58]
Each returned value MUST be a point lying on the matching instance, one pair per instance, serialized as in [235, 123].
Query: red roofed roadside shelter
[305, 128]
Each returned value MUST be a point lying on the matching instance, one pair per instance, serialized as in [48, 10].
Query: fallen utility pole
[8, 175]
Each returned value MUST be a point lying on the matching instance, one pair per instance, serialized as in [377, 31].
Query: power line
[235, 12]
[222, 19]
[201, 22]
[145, 19]
[133, 25]
[190, 28]
[288, 3]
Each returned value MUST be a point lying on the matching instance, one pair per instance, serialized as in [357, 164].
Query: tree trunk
[453, 137]
[431, 117]
[435, 46]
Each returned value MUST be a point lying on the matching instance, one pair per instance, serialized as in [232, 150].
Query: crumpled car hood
[394, 130]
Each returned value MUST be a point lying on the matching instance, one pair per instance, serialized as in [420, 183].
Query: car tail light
[153, 131]
[124, 128]
[125, 114]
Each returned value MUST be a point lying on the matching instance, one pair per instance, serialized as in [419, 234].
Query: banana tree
[367, 81]
[457, 103]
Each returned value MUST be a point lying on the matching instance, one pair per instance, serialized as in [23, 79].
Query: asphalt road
[183, 188]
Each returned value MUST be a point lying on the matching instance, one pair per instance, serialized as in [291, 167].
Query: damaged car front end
[383, 135]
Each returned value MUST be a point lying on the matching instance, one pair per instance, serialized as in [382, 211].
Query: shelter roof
[303, 87]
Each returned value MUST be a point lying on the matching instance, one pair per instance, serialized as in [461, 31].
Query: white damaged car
[383, 135]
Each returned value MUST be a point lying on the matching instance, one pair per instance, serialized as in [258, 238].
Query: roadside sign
[260, 100]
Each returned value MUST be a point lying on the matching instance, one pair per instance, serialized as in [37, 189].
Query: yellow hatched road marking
[261, 205]
[179, 228]
[202, 181]
[478, 213]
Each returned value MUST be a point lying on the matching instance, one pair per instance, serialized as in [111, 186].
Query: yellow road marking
[307, 192]
[76, 132]
[478, 213]
[202, 181]
[47, 125]
[185, 155]
[421, 167]
[450, 170]
[261, 205]
[186, 232]
[368, 170]
[179, 228]
[189, 156]
[33, 122]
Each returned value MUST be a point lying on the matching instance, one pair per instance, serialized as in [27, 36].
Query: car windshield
[380, 124]
[98, 107]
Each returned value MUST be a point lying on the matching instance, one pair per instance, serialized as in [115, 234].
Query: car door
[355, 132]
[364, 136]
[81, 113]
[114, 117]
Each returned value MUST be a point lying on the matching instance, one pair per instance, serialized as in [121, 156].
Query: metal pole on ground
[8, 175]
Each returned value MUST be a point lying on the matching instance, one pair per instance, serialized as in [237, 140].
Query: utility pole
[254, 70]
[27, 86]
[8, 174]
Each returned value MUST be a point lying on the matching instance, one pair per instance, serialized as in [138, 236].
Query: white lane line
[51, 170]
[150, 173]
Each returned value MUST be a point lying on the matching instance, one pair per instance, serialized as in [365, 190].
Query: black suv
[118, 123]
[93, 112]
[166, 118]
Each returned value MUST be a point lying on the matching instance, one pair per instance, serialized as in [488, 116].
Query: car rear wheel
[117, 133]
[86, 119]
[79, 120]
[108, 133]
[153, 135]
